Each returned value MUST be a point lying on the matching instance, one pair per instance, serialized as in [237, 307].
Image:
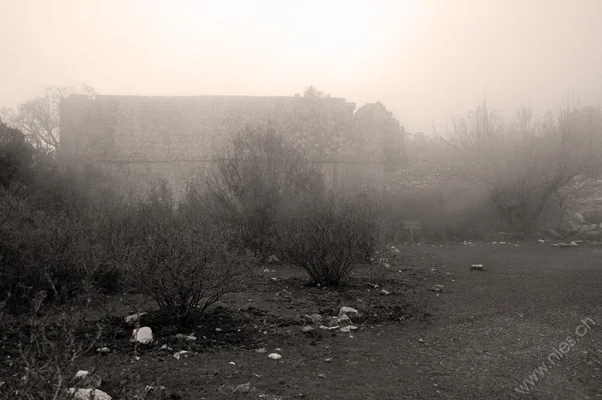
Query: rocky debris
[541, 241]
[142, 335]
[273, 259]
[103, 350]
[348, 328]
[437, 288]
[477, 267]
[261, 350]
[345, 311]
[571, 244]
[421, 340]
[88, 394]
[180, 354]
[307, 329]
[385, 292]
[190, 337]
[314, 319]
[329, 328]
[86, 380]
[243, 388]
[275, 356]
[134, 318]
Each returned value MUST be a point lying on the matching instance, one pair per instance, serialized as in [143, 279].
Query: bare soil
[479, 337]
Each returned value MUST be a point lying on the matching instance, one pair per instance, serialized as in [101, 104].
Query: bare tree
[38, 117]
[522, 165]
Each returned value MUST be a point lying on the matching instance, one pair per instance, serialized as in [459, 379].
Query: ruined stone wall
[142, 138]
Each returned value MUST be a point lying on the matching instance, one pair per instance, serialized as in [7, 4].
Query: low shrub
[185, 261]
[257, 175]
[326, 236]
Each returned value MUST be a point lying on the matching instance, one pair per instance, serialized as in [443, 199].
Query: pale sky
[426, 60]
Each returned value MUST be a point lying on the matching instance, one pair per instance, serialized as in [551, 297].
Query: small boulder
[437, 288]
[307, 329]
[88, 394]
[344, 311]
[348, 328]
[86, 380]
[243, 388]
[142, 335]
[132, 319]
[275, 356]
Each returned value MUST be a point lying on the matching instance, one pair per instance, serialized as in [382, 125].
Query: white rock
[103, 350]
[275, 356]
[385, 292]
[307, 329]
[348, 328]
[88, 394]
[261, 350]
[179, 354]
[573, 244]
[347, 310]
[541, 241]
[142, 335]
[132, 319]
[186, 337]
[437, 288]
[81, 374]
[329, 328]
[243, 388]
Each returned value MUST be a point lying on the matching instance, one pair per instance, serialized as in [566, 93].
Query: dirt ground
[480, 337]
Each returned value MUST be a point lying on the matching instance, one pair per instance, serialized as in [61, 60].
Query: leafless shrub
[185, 261]
[258, 174]
[326, 236]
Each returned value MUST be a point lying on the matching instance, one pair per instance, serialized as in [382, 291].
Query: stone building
[143, 138]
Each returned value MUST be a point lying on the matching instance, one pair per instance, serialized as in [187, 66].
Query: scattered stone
[421, 340]
[275, 356]
[218, 329]
[329, 328]
[273, 259]
[142, 335]
[385, 292]
[541, 241]
[132, 319]
[437, 288]
[87, 380]
[477, 267]
[307, 329]
[573, 244]
[348, 328]
[88, 394]
[315, 318]
[322, 376]
[180, 353]
[103, 350]
[185, 337]
[243, 388]
[165, 347]
[344, 311]
[328, 360]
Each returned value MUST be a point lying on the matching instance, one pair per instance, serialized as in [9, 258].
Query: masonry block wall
[143, 138]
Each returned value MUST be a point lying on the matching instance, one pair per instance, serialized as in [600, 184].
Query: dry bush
[39, 349]
[326, 236]
[184, 260]
[258, 174]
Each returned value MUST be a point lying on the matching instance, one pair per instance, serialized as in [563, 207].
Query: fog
[426, 60]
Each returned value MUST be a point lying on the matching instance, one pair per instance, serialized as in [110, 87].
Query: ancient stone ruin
[143, 138]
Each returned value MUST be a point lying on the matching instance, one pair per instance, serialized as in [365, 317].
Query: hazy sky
[426, 60]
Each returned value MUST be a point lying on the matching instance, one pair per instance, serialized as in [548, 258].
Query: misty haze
[318, 199]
